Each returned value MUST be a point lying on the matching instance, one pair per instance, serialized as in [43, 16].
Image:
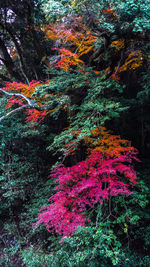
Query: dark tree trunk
[6, 59]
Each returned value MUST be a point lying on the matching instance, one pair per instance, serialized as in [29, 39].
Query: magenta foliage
[83, 185]
[12, 101]
[35, 115]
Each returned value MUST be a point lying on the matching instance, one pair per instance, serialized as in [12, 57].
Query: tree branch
[13, 111]
[18, 94]
[29, 105]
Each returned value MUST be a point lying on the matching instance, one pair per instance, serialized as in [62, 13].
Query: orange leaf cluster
[118, 44]
[76, 36]
[35, 116]
[103, 141]
[67, 59]
[22, 88]
[27, 90]
[133, 61]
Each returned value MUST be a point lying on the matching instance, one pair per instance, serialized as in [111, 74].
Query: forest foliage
[74, 128]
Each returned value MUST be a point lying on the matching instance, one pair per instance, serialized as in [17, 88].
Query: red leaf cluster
[27, 90]
[84, 185]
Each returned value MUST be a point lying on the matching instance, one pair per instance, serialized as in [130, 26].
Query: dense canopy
[74, 133]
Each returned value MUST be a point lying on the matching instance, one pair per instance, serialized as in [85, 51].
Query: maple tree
[76, 36]
[89, 182]
[76, 40]
[91, 68]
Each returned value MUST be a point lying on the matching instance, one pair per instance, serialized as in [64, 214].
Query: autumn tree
[90, 182]
[73, 71]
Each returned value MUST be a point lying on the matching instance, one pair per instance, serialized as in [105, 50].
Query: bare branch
[39, 108]
[29, 105]
[13, 111]
[18, 94]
